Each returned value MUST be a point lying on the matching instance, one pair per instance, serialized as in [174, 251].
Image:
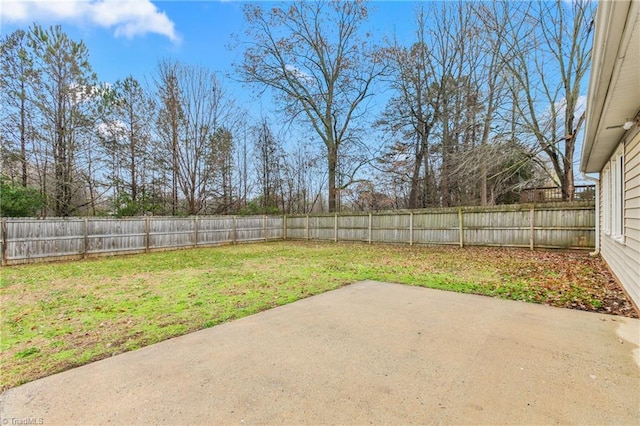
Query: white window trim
[606, 199]
[617, 195]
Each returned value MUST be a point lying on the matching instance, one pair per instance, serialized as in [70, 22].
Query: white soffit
[614, 92]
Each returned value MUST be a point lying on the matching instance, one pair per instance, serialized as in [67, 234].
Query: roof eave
[609, 27]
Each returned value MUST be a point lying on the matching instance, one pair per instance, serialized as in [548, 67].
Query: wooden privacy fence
[557, 225]
[36, 240]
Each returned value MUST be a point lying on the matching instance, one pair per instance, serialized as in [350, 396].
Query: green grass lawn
[60, 315]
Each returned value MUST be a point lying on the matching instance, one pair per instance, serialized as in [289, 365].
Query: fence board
[123, 235]
[436, 228]
[296, 227]
[170, 232]
[275, 228]
[250, 228]
[353, 228]
[390, 228]
[322, 227]
[215, 230]
[37, 240]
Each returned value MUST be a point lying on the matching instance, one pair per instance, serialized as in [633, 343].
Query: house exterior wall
[622, 252]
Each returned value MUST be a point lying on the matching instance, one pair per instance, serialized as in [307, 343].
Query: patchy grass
[60, 315]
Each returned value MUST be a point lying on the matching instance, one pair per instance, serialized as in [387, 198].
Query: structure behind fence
[557, 225]
[553, 194]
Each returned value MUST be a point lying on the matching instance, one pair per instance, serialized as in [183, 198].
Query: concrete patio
[367, 353]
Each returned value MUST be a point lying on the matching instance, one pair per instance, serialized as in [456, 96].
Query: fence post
[410, 228]
[195, 231]
[284, 227]
[4, 241]
[335, 229]
[266, 228]
[147, 230]
[307, 226]
[234, 231]
[461, 225]
[370, 227]
[86, 238]
[532, 216]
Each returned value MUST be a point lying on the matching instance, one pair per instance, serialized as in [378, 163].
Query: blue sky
[129, 37]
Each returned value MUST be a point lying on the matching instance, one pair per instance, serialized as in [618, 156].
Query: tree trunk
[174, 172]
[60, 162]
[444, 175]
[23, 135]
[567, 183]
[415, 176]
[132, 159]
[333, 166]
[427, 185]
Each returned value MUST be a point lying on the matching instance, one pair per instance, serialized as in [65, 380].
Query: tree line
[484, 100]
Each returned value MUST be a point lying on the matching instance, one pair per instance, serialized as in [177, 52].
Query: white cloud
[561, 107]
[112, 130]
[127, 18]
[298, 73]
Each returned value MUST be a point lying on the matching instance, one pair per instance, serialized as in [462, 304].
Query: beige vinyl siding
[623, 256]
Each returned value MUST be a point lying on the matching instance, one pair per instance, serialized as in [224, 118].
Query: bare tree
[434, 109]
[201, 107]
[314, 58]
[242, 170]
[548, 57]
[492, 37]
[221, 169]
[170, 120]
[454, 137]
[193, 122]
[302, 179]
[269, 164]
[412, 112]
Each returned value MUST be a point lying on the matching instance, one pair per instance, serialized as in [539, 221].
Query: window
[617, 195]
